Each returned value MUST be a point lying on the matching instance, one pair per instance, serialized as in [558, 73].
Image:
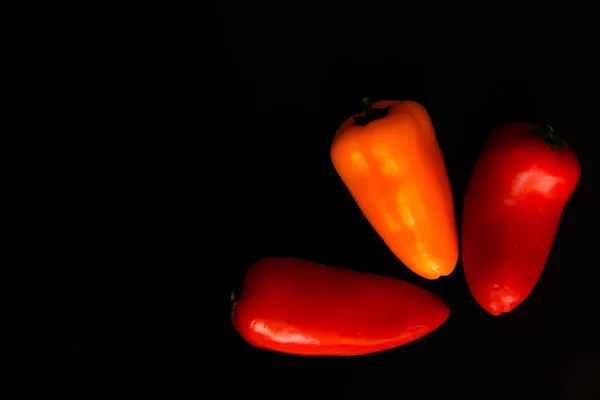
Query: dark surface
[293, 73]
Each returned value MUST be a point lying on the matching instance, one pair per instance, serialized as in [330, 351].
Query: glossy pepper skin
[302, 307]
[515, 196]
[392, 165]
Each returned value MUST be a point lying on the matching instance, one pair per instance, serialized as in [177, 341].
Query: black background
[292, 72]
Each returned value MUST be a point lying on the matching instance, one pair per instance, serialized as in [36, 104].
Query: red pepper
[515, 196]
[301, 307]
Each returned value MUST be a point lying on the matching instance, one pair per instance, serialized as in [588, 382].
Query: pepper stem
[547, 134]
[368, 107]
[233, 302]
[371, 114]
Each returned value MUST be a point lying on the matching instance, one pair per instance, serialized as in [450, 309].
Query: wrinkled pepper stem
[368, 107]
[547, 134]
[371, 114]
[233, 302]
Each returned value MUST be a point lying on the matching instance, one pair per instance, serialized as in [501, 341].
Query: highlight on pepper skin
[280, 332]
[502, 299]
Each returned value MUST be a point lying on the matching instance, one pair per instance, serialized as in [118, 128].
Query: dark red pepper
[515, 196]
[301, 307]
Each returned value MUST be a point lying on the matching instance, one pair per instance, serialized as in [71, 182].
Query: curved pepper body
[301, 307]
[515, 197]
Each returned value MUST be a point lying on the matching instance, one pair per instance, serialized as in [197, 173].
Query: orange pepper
[389, 159]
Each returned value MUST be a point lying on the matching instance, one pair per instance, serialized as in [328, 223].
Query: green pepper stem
[233, 302]
[547, 134]
[371, 114]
